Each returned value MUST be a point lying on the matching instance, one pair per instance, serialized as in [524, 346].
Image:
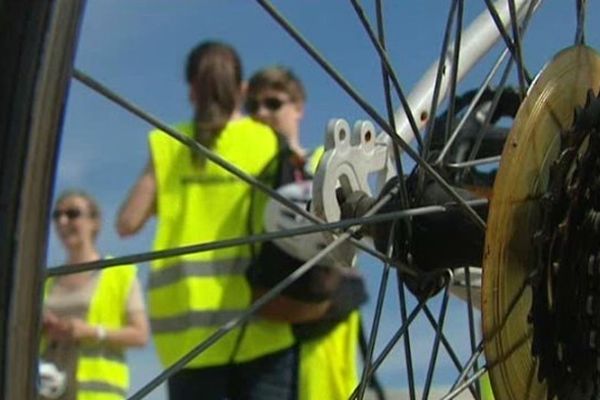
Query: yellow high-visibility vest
[328, 365]
[102, 372]
[193, 295]
[486, 387]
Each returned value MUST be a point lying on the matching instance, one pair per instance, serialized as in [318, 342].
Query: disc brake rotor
[511, 272]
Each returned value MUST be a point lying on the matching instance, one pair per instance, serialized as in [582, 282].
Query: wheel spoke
[387, 73]
[387, 69]
[511, 307]
[488, 118]
[364, 382]
[436, 344]
[468, 366]
[510, 45]
[484, 85]
[410, 372]
[391, 344]
[448, 347]
[474, 163]
[437, 86]
[454, 70]
[467, 383]
[524, 76]
[221, 244]
[471, 316]
[580, 32]
[404, 197]
[501, 86]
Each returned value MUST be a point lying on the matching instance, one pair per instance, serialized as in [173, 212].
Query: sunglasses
[270, 103]
[70, 213]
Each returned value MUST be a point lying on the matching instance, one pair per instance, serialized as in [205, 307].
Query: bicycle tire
[38, 42]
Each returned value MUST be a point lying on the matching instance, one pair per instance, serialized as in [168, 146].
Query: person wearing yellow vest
[196, 201]
[327, 362]
[90, 318]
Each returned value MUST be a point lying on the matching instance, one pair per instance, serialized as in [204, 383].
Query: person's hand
[68, 329]
[82, 331]
[56, 328]
[48, 319]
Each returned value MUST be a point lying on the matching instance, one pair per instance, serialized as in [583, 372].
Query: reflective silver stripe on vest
[107, 353]
[97, 386]
[194, 319]
[174, 273]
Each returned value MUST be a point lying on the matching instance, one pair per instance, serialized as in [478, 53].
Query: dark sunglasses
[270, 103]
[70, 213]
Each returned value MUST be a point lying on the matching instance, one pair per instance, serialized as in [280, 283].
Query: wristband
[100, 333]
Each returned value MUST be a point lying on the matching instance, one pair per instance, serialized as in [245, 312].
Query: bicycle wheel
[448, 154]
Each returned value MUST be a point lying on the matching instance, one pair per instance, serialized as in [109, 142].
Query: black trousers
[272, 377]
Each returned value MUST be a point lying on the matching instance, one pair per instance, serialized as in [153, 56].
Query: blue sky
[138, 48]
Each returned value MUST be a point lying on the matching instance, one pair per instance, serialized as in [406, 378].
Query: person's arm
[134, 334]
[285, 309]
[140, 204]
